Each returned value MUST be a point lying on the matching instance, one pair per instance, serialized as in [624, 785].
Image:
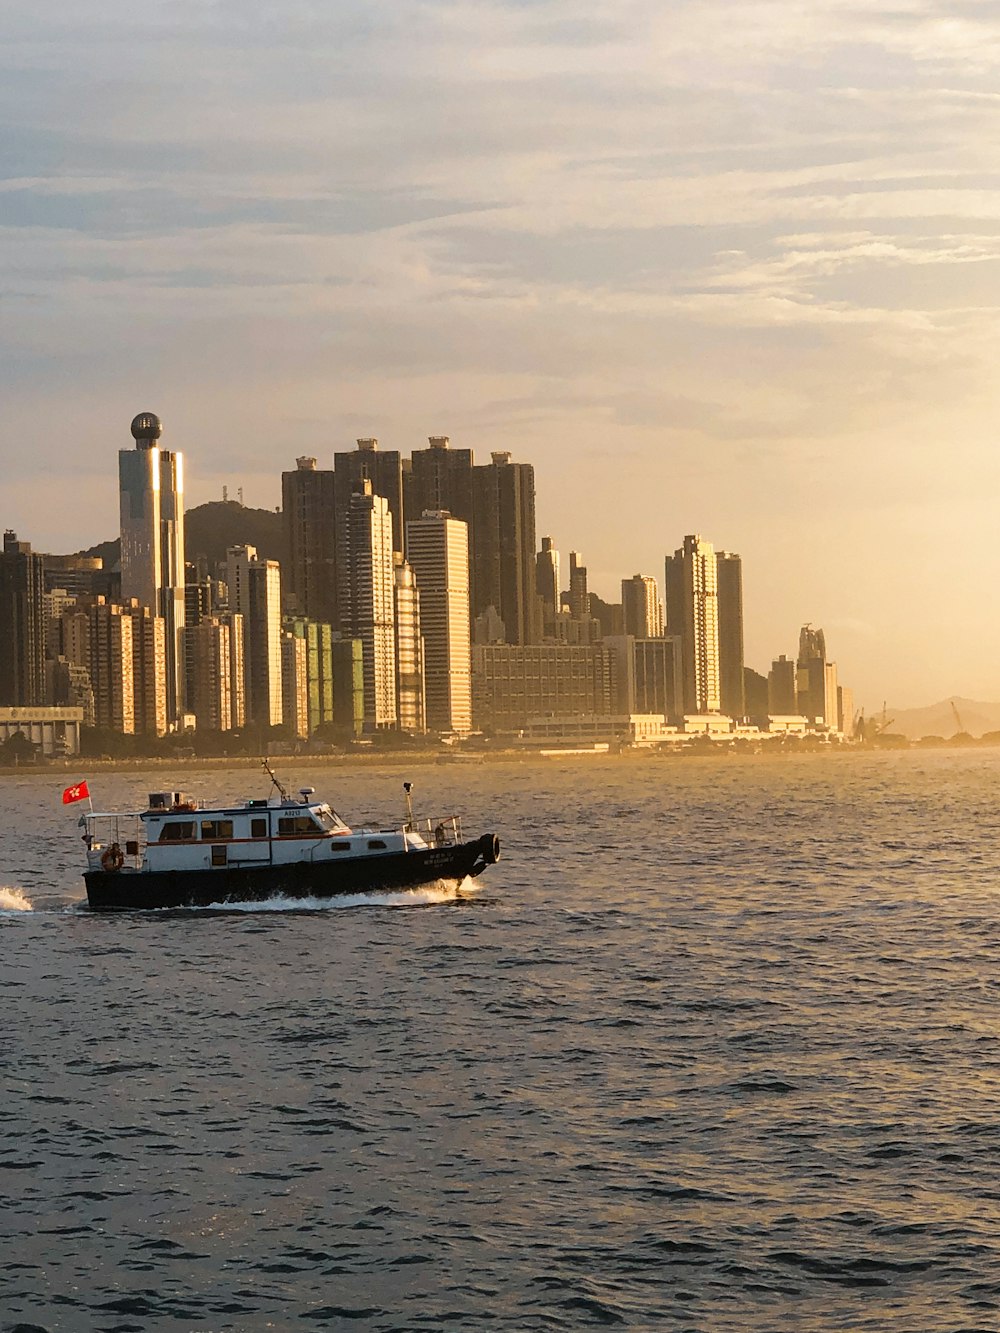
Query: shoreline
[54, 768]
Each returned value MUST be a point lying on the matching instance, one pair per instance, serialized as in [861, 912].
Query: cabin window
[340, 846]
[179, 831]
[300, 826]
[258, 828]
[219, 855]
[376, 845]
[215, 830]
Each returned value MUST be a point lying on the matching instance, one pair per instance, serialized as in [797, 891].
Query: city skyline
[728, 269]
[369, 453]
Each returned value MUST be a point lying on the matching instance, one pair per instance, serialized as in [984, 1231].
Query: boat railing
[443, 831]
[114, 841]
[436, 831]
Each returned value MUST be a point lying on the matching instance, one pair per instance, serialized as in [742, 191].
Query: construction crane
[873, 728]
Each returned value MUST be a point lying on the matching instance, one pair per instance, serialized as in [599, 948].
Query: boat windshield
[325, 817]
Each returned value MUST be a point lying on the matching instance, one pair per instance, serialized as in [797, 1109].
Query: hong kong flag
[81, 792]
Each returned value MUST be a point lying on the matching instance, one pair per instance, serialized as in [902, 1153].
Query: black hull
[143, 891]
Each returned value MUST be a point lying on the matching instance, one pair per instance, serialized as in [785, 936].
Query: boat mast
[270, 773]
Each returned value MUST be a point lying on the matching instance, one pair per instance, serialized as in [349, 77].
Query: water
[714, 1047]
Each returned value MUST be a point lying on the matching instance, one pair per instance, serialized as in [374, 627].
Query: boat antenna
[408, 789]
[270, 773]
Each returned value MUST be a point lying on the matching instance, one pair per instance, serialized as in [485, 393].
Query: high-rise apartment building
[781, 693]
[548, 586]
[367, 598]
[308, 513]
[692, 614]
[111, 665]
[642, 610]
[22, 625]
[411, 702]
[318, 638]
[295, 684]
[384, 469]
[579, 596]
[732, 690]
[216, 680]
[149, 669]
[502, 547]
[255, 594]
[440, 478]
[151, 495]
[438, 547]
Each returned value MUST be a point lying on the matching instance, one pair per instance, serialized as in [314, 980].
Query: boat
[179, 853]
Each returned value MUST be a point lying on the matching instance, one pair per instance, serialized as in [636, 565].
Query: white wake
[14, 900]
[441, 891]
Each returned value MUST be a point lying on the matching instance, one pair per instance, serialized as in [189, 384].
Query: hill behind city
[940, 719]
[210, 528]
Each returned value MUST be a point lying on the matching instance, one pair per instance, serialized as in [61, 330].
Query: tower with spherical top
[151, 498]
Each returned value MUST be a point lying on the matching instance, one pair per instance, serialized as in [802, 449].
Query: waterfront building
[513, 683]
[642, 610]
[22, 625]
[367, 597]
[438, 547]
[151, 496]
[308, 513]
[692, 614]
[411, 703]
[55, 732]
[255, 594]
[647, 676]
[732, 696]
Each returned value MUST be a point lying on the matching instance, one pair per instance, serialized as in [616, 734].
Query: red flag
[81, 792]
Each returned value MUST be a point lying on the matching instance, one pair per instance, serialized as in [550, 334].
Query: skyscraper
[151, 497]
[692, 607]
[440, 478]
[502, 547]
[384, 469]
[255, 594]
[309, 517]
[781, 696]
[410, 694]
[642, 610]
[438, 547]
[22, 625]
[732, 687]
[547, 585]
[367, 585]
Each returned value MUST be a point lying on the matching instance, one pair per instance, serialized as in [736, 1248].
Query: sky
[712, 267]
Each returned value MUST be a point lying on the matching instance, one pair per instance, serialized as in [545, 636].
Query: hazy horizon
[716, 268]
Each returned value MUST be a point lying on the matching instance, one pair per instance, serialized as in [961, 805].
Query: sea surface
[716, 1046]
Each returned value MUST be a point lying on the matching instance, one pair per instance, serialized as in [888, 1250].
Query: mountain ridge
[974, 717]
